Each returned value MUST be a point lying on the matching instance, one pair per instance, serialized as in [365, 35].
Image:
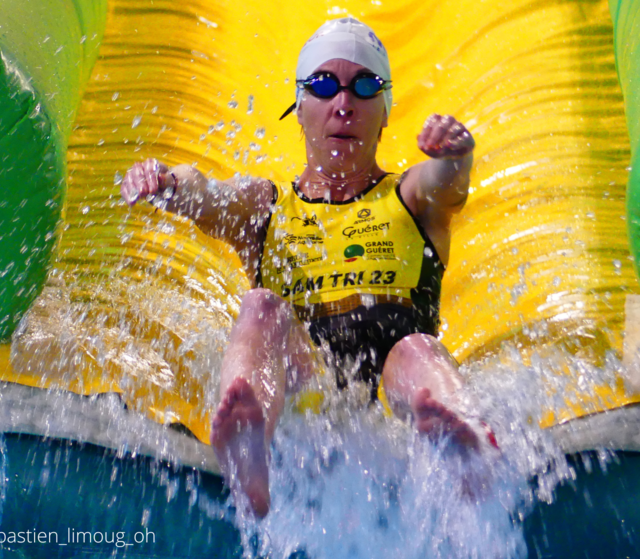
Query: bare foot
[237, 437]
[435, 420]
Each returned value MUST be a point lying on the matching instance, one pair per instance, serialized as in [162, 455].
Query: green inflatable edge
[47, 51]
[626, 24]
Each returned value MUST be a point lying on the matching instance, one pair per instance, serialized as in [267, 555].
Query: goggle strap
[288, 111]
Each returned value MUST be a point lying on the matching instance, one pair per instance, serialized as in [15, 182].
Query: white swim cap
[347, 39]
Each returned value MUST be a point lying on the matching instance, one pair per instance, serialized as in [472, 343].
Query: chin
[343, 165]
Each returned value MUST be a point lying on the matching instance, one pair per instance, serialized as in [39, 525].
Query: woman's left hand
[444, 137]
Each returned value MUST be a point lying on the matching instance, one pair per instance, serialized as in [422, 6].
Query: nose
[343, 104]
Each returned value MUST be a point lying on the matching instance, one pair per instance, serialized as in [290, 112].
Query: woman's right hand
[145, 180]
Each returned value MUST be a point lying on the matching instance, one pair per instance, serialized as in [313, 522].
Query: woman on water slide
[349, 256]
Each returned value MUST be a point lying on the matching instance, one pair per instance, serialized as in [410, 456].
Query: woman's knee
[416, 345]
[264, 305]
[417, 350]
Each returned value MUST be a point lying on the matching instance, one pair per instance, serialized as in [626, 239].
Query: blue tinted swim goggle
[326, 85]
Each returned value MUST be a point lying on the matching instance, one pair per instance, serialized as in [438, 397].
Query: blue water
[53, 486]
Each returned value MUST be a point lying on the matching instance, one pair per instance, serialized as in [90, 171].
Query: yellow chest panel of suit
[318, 252]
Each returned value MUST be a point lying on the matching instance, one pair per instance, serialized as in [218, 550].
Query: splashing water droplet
[117, 178]
[232, 104]
[136, 121]
[115, 96]
[334, 152]
[250, 105]
[260, 133]
[146, 515]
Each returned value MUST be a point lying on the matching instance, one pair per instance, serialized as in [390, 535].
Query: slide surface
[140, 302]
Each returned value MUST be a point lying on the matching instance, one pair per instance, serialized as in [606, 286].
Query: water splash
[363, 489]
[359, 484]
[355, 483]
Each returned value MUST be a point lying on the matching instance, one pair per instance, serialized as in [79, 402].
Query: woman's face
[342, 132]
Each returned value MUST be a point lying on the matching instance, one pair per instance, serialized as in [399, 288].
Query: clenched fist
[444, 136]
[146, 180]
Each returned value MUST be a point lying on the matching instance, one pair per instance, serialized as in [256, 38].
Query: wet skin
[341, 136]
[238, 437]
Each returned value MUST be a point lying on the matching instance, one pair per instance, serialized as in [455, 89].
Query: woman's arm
[232, 210]
[436, 189]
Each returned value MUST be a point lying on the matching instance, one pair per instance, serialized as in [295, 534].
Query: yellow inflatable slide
[138, 302]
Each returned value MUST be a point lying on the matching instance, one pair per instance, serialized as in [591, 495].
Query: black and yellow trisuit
[362, 272]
